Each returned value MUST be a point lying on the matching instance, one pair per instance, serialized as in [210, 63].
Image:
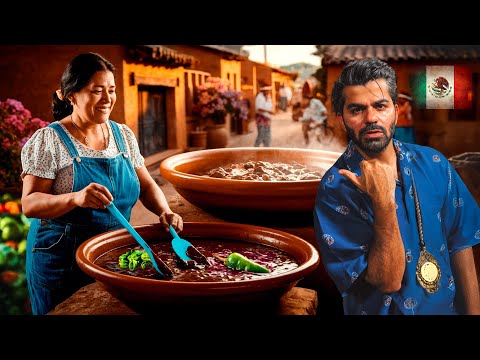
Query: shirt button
[125, 155]
[77, 159]
[43, 223]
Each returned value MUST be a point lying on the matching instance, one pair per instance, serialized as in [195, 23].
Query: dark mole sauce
[274, 259]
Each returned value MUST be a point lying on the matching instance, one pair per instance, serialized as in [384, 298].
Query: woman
[72, 169]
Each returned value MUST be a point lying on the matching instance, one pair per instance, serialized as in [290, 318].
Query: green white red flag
[443, 87]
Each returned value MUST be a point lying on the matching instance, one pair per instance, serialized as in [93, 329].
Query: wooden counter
[93, 299]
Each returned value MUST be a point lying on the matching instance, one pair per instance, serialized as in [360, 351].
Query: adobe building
[231, 64]
[155, 85]
[150, 87]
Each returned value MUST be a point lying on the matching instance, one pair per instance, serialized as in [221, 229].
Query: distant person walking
[263, 116]
[288, 92]
[285, 93]
[282, 92]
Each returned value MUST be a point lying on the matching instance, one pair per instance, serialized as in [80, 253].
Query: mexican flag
[443, 87]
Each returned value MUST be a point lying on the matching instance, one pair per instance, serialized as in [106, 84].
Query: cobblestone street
[286, 133]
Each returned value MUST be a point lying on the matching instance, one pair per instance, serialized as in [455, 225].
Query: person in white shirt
[289, 94]
[313, 116]
[263, 116]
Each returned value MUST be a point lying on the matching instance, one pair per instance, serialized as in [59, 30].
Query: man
[314, 116]
[263, 116]
[394, 222]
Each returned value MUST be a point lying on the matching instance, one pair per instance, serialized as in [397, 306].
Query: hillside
[304, 70]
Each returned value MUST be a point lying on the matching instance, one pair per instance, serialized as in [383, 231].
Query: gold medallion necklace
[428, 271]
[85, 139]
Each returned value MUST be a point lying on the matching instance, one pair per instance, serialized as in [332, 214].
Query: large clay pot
[217, 136]
[184, 172]
[138, 292]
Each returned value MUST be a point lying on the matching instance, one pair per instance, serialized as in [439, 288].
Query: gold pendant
[428, 272]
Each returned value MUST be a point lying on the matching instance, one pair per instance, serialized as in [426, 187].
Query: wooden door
[152, 124]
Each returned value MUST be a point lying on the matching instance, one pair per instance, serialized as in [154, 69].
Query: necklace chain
[418, 215]
[85, 139]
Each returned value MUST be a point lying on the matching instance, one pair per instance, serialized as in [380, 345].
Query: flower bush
[16, 127]
[214, 99]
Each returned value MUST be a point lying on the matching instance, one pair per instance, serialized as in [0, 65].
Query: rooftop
[160, 55]
[337, 54]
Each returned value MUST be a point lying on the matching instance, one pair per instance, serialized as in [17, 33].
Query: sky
[280, 55]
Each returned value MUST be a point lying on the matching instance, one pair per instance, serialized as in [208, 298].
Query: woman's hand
[171, 218]
[93, 196]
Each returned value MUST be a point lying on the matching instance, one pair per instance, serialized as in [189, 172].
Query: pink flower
[16, 127]
[214, 99]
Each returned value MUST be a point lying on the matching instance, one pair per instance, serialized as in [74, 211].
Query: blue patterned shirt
[343, 220]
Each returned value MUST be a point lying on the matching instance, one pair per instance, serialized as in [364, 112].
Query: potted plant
[215, 103]
[16, 127]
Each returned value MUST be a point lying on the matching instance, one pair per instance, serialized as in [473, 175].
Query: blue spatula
[156, 261]
[185, 250]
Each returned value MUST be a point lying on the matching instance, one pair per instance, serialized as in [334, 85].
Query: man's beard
[371, 146]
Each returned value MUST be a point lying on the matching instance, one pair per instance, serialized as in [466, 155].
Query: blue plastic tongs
[158, 263]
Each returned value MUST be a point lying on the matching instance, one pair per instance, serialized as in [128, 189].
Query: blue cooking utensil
[185, 250]
[156, 261]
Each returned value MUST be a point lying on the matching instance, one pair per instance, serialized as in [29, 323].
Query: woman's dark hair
[360, 72]
[76, 75]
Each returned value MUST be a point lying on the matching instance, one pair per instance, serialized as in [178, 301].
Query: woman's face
[95, 101]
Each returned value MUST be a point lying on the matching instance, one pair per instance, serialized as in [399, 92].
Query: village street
[286, 133]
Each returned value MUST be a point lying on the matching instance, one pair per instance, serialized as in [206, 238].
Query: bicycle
[323, 132]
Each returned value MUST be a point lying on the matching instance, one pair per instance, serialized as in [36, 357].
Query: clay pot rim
[169, 171]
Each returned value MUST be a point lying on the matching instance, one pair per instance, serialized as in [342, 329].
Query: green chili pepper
[239, 262]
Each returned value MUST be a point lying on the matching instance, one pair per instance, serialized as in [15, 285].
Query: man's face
[369, 116]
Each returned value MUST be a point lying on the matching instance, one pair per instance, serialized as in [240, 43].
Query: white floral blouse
[46, 156]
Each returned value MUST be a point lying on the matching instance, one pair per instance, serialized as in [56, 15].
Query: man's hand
[377, 180]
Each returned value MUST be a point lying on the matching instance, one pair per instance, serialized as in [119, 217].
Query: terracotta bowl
[147, 292]
[213, 193]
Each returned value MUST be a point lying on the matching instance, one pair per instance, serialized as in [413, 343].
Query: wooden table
[93, 299]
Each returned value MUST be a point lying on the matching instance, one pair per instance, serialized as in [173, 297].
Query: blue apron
[52, 272]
